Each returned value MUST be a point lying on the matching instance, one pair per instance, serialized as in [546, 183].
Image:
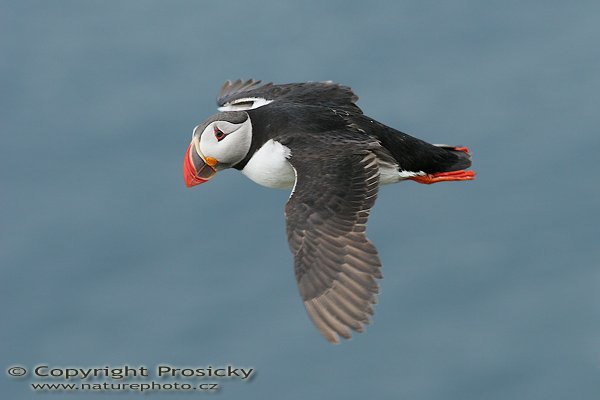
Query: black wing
[325, 94]
[334, 262]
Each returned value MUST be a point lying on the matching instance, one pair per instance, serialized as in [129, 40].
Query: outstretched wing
[252, 94]
[336, 266]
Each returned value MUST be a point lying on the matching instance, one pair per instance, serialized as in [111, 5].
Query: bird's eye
[219, 134]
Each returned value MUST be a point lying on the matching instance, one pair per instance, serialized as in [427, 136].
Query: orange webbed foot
[460, 175]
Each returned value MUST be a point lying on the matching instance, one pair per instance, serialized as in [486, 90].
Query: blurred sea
[491, 287]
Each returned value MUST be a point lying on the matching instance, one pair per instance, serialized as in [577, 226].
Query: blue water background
[491, 287]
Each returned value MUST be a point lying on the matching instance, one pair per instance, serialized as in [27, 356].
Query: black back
[319, 108]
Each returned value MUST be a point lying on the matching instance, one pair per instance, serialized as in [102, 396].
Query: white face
[227, 142]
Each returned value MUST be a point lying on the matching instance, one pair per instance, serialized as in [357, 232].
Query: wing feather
[336, 266]
[326, 94]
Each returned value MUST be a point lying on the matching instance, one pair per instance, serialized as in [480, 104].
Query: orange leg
[461, 175]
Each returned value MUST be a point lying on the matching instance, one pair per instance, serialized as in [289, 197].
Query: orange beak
[196, 168]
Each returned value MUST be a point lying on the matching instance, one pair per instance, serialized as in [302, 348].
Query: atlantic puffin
[313, 138]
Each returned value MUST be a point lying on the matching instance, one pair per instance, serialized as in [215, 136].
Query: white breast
[270, 167]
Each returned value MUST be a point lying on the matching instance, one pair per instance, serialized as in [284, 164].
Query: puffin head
[219, 142]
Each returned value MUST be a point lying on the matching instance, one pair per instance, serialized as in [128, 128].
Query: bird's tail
[454, 171]
[462, 154]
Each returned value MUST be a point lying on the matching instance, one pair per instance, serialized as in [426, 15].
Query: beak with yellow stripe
[197, 169]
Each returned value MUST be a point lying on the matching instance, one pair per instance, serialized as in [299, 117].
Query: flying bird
[313, 138]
